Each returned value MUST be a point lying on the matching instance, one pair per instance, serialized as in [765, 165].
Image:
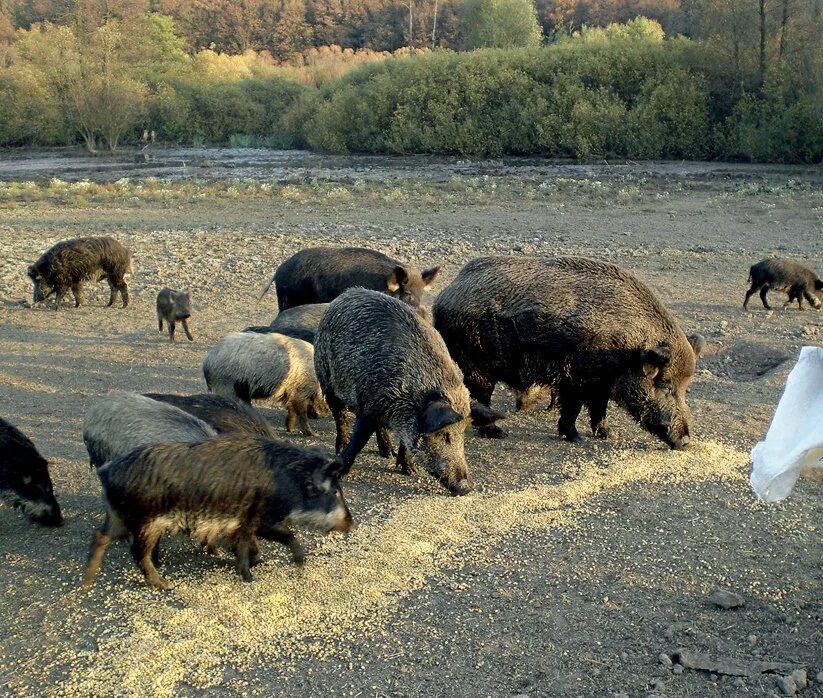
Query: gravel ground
[573, 571]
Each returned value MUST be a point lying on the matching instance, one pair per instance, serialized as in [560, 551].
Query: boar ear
[483, 416]
[397, 278]
[656, 359]
[328, 474]
[32, 273]
[429, 275]
[437, 415]
[698, 342]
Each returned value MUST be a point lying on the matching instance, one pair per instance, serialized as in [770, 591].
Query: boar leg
[303, 419]
[749, 294]
[404, 461]
[811, 299]
[99, 543]
[254, 551]
[384, 445]
[113, 293]
[77, 292]
[187, 330]
[763, 292]
[341, 420]
[159, 323]
[291, 417]
[124, 293]
[142, 547]
[481, 390]
[242, 551]
[171, 330]
[597, 416]
[570, 406]
[287, 538]
[364, 427]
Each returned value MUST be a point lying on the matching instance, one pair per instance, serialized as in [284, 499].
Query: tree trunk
[434, 25]
[784, 20]
[762, 59]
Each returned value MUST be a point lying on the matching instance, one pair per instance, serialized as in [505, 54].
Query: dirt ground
[572, 571]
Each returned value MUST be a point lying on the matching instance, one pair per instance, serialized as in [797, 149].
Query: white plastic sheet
[795, 438]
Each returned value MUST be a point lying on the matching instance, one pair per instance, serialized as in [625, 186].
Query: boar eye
[447, 438]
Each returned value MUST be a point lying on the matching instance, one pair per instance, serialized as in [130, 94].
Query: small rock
[677, 669]
[725, 598]
[801, 679]
[620, 695]
[713, 678]
[665, 660]
[787, 685]
[819, 677]
[738, 683]
[752, 640]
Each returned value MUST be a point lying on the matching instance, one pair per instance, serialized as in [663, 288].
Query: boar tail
[265, 290]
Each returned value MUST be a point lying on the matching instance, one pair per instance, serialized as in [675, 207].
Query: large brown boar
[233, 487]
[793, 279]
[589, 330]
[376, 357]
[71, 263]
[320, 274]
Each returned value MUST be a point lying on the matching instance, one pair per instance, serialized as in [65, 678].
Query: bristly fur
[234, 487]
[321, 274]
[224, 414]
[25, 482]
[581, 327]
[379, 359]
[69, 264]
[119, 423]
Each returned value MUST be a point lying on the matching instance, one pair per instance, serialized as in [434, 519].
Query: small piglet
[793, 279]
[24, 477]
[174, 307]
[251, 366]
[234, 487]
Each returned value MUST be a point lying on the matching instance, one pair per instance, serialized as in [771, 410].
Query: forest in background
[733, 79]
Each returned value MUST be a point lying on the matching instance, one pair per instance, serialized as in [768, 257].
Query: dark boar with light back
[25, 483]
[174, 307]
[793, 279]
[588, 330]
[299, 322]
[234, 487]
[223, 414]
[377, 358]
[117, 424]
[320, 274]
[69, 264]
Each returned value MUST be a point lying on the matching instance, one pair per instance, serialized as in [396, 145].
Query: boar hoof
[159, 582]
[491, 432]
[602, 432]
[461, 488]
[574, 438]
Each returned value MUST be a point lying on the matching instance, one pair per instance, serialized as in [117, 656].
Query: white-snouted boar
[251, 366]
[117, 424]
[174, 307]
[69, 264]
[377, 358]
[234, 487]
[793, 279]
[320, 274]
[224, 414]
[25, 483]
[588, 330]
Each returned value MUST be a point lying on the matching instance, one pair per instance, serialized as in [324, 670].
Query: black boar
[70, 263]
[234, 487]
[24, 477]
[252, 366]
[320, 274]
[119, 423]
[174, 307]
[300, 322]
[376, 357]
[588, 330]
[223, 414]
[793, 279]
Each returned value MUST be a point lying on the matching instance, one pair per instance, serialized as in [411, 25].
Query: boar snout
[459, 488]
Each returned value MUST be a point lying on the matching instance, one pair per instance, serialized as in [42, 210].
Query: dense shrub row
[622, 91]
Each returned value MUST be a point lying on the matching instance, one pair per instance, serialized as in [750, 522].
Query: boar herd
[353, 338]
